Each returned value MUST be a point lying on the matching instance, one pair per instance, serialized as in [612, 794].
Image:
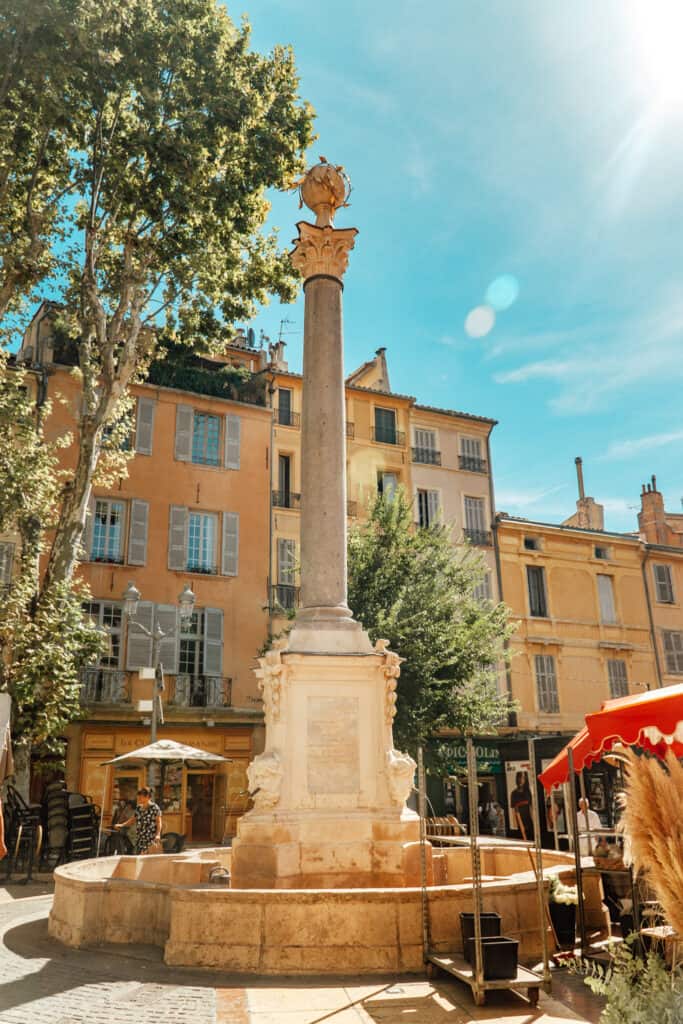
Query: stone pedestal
[329, 790]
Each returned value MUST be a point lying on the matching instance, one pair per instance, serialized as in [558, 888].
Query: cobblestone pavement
[42, 982]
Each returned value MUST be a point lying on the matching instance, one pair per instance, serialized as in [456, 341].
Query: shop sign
[488, 757]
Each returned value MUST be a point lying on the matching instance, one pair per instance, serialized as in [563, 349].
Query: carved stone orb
[324, 189]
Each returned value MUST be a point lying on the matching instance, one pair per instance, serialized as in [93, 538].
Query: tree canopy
[414, 588]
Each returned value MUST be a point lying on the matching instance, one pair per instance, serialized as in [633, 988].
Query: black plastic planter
[499, 954]
[563, 916]
[490, 925]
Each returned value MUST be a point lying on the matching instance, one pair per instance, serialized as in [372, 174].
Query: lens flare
[502, 292]
[480, 321]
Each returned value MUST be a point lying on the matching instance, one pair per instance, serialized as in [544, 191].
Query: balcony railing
[286, 499]
[428, 456]
[204, 570]
[352, 509]
[473, 464]
[107, 559]
[350, 430]
[285, 597]
[104, 686]
[287, 418]
[202, 692]
[387, 435]
[480, 537]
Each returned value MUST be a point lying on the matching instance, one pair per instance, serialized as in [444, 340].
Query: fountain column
[329, 789]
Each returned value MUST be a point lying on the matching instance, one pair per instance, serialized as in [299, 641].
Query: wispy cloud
[529, 503]
[635, 446]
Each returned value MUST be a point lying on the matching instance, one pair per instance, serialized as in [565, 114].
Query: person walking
[587, 821]
[147, 821]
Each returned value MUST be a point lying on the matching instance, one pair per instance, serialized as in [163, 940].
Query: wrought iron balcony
[287, 418]
[387, 435]
[202, 692]
[104, 686]
[473, 464]
[286, 499]
[284, 597]
[480, 537]
[350, 430]
[428, 456]
[352, 509]
[107, 559]
[204, 570]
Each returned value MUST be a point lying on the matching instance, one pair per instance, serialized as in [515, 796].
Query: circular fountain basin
[168, 901]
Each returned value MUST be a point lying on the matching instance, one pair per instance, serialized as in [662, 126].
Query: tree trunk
[21, 749]
[69, 532]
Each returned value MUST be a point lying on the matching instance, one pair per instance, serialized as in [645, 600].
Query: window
[673, 651]
[475, 521]
[602, 553]
[107, 531]
[284, 410]
[538, 605]
[470, 455]
[427, 507]
[546, 684]
[201, 542]
[618, 680]
[532, 544]
[387, 484]
[109, 616]
[663, 584]
[284, 482]
[482, 591]
[385, 426]
[286, 595]
[191, 647]
[206, 435]
[6, 559]
[608, 612]
[144, 425]
[425, 448]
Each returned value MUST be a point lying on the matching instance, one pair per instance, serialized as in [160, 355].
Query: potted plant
[562, 901]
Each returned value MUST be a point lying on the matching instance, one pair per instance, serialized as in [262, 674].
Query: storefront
[448, 794]
[203, 805]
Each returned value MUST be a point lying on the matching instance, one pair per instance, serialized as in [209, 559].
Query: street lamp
[131, 599]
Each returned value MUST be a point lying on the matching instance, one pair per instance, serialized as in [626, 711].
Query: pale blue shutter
[177, 537]
[137, 536]
[144, 426]
[231, 544]
[184, 422]
[166, 616]
[213, 642]
[140, 645]
[233, 430]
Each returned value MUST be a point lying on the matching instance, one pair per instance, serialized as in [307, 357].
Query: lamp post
[186, 601]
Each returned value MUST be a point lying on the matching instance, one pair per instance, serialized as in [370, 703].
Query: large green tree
[414, 588]
[163, 132]
[43, 645]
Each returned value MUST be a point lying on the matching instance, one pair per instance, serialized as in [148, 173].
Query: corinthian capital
[322, 250]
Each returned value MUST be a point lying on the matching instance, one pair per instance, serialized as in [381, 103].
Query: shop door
[199, 806]
[220, 791]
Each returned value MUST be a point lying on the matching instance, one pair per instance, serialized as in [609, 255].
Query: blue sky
[538, 140]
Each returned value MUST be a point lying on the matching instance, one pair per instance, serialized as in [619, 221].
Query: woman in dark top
[520, 802]
[147, 821]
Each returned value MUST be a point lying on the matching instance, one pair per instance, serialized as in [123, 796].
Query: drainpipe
[653, 634]
[271, 393]
[512, 716]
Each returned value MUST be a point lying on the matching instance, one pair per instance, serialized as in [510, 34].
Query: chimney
[578, 462]
[652, 523]
[381, 361]
[589, 514]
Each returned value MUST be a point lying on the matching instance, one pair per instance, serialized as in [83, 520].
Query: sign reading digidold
[487, 756]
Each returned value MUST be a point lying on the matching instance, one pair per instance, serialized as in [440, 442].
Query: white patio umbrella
[162, 750]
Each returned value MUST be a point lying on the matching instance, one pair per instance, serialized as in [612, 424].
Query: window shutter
[389, 485]
[139, 645]
[213, 642]
[177, 538]
[608, 612]
[231, 544]
[664, 586]
[166, 616]
[286, 561]
[184, 420]
[137, 536]
[233, 430]
[144, 426]
[433, 506]
[86, 540]
[474, 514]
[471, 446]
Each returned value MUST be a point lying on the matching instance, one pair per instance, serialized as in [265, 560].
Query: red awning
[557, 771]
[652, 720]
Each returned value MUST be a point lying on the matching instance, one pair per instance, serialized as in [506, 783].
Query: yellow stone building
[661, 534]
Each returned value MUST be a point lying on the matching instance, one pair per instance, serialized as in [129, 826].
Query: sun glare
[658, 32]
